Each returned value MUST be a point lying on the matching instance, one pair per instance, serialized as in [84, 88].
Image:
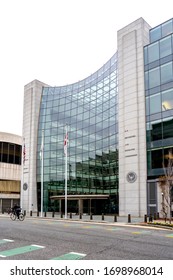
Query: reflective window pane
[146, 55]
[147, 106]
[153, 52]
[166, 73]
[167, 28]
[155, 103]
[167, 100]
[154, 77]
[156, 130]
[168, 128]
[165, 47]
[155, 34]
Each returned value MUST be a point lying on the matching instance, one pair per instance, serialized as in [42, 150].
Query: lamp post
[42, 169]
[65, 152]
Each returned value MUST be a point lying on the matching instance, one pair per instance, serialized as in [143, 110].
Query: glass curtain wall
[158, 57]
[159, 96]
[89, 108]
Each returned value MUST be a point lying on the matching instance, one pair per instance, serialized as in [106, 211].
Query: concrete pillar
[132, 127]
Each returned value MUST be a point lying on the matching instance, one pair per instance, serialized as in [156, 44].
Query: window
[18, 152]
[153, 52]
[166, 73]
[5, 152]
[156, 130]
[10, 153]
[155, 104]
[157, 158]
[165, 47]
[147, 104]
[146, 55]
[154, 77]
[167, 28]
[146, 80]
[168, 128]
[155, 34]
[167, 101]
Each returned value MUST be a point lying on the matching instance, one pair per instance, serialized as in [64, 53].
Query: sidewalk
[106, 219]
[85, 218]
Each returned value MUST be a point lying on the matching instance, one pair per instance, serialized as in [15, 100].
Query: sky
[60, 42]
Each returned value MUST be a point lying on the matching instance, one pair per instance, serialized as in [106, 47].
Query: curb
[103, 222]
[163, 227]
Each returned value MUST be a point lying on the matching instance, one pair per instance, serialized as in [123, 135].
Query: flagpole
[42, 162]
[22, 177]
[21, 189]
[66, 173]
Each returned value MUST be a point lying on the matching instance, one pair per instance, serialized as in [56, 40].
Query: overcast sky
[60, 42]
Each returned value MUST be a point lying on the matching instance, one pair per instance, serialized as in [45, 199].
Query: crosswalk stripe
[170, 235]
[70, 256]
[86, 226]
[141, 232]
[113, 229]
[2, 241]
[38, 246]
[19, 250]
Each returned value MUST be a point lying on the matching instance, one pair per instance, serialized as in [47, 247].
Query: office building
[10, 170]
[158, 68]
[108, 116]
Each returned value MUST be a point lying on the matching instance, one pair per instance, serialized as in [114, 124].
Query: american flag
[65, 143]
[24, 153]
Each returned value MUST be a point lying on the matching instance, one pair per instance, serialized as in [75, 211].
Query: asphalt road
[45, 239]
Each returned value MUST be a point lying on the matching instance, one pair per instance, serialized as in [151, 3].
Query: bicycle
[14, 216]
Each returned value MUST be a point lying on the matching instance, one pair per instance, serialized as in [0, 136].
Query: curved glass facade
[89, 108]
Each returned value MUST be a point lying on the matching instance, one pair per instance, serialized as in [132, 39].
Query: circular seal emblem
[25, 186]
[131, 177]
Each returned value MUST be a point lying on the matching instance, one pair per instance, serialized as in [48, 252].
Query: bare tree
[166, 183]
[164, 203]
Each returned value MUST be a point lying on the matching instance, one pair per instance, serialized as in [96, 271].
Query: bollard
[61, 215]
[102, 217]
[24, 212]
[70, 215]
[37, 213]
[150, 218]
[129, 218]
[115, 218]
[31, 213]
[91, 216]
[80, 216]
[155, 216]
[45, 214]
[53, 214]
[145, 218]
